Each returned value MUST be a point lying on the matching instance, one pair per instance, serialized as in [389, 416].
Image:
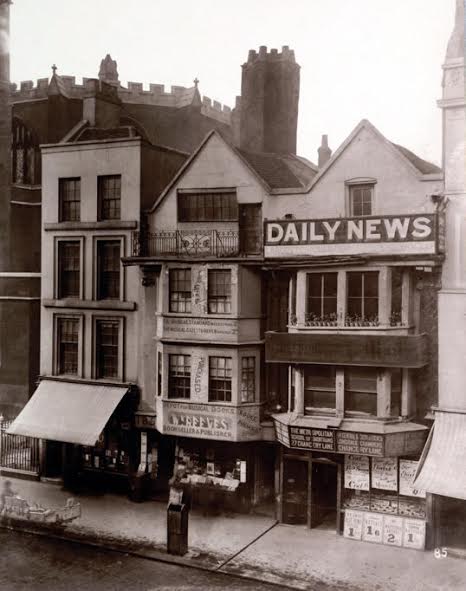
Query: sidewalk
[252, 546]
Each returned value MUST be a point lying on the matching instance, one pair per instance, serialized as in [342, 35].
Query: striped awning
[442, 469]
[68, 411]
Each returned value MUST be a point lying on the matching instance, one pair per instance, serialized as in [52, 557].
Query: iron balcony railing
[191, 243]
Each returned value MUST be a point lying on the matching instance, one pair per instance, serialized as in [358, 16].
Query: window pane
[207, 207]
[109, 197]
[397, 281]
[107, 337]
[361, 200]
[319, 386]
[220, 369]
[108, 265]
[69, 269]
[248, 379]
[219, 291]
[70, 199]
[180, 290]
[361, 390]
[179, 376]
[68, 346]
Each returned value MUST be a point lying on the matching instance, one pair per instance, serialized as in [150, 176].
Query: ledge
[90, 304]
[106, 225]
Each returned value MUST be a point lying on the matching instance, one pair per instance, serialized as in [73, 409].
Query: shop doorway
[295, 491]
[324, 483]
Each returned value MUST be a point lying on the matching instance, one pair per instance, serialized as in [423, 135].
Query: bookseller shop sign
[403, 234]
[365, 444]
[211, 421]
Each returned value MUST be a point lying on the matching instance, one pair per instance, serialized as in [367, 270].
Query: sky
[374, 59]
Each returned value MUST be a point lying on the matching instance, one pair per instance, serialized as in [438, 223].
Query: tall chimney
[269, 101]
[324, 151]
[5, 135]
[101, 104]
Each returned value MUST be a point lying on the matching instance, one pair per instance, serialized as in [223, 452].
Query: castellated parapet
[178, 96]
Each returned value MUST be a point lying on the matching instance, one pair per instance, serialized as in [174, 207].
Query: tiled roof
[422, 165]
[278, 170]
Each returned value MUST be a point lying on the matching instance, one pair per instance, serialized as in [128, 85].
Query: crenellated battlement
[286, 54]
[134, 92]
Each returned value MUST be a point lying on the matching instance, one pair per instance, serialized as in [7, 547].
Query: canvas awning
[68, 411]
[442, 467]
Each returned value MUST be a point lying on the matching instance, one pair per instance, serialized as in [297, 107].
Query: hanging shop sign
[408, 351]
[350, 442]
[407, 474]
[211, 421]
[385, 473]
[145, 421]
[390, 234]
[357, 472]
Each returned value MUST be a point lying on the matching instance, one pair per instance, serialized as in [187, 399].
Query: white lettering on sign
[405, 228]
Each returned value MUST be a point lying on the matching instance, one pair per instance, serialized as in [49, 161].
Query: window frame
[248, 379]
[360, 413]
[181, 381]
[216, 299]
[360, 185]
[329, 319]
[62, 181]
[363, 298]
[117, 321]
[58, 282]
[198, 205]
[103, 197]
[327, 410]
[97, 268]
[57, 320]
[185, 301]
[214, 392]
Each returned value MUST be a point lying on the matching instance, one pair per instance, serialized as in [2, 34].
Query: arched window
[25, 155]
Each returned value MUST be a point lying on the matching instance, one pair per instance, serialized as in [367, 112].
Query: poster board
[392, 530]
[353, 525]
[357, 472]
[385, 473]
[407, 473]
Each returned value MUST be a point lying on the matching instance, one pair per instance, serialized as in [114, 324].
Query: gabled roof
[271, 170]
[422, 165]
[279, 171]
[417, 165]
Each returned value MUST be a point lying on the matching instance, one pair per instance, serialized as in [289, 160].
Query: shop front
[358, 484]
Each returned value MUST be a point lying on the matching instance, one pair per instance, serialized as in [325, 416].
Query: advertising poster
[414, 534]
[373, 528]
[357, 472]
[385, 473]
[353, 525]
[392, 530]
[407, 473]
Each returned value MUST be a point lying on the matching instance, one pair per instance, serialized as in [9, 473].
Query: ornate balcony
[189, 243]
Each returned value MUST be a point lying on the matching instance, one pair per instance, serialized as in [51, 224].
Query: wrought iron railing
[18, 452]
[189, 243]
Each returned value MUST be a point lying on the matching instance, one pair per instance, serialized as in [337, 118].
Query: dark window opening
[207, 207]
[322, 299]
[363, 297]
[107, 348]
[69, 191]
[108, 269]
[69, 272]
[68, 336]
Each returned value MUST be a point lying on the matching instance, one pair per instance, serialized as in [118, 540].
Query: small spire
[196, 81]
[54, 69]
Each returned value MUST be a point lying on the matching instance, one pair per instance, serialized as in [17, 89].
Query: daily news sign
[404, 234]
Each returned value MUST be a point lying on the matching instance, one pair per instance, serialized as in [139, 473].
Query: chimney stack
[268, 111]
[324, 152]
[101, 104]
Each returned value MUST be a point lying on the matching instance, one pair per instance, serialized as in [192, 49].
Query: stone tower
[268, 108]
[5, 134]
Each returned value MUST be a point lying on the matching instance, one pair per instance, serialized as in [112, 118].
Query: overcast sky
[374, 59]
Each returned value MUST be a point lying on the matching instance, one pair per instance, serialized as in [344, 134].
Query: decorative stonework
[108, 69]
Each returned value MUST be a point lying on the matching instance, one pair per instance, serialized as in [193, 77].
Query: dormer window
[361, 199]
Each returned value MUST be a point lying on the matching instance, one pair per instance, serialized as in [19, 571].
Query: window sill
[89, 304]
[359, 329]
[103, 225]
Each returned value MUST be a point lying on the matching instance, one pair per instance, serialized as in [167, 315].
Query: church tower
[5, 134]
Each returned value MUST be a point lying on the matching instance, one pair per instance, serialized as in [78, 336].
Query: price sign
[353, 525]
[392, 530]
[414, 534]
[373, 528]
